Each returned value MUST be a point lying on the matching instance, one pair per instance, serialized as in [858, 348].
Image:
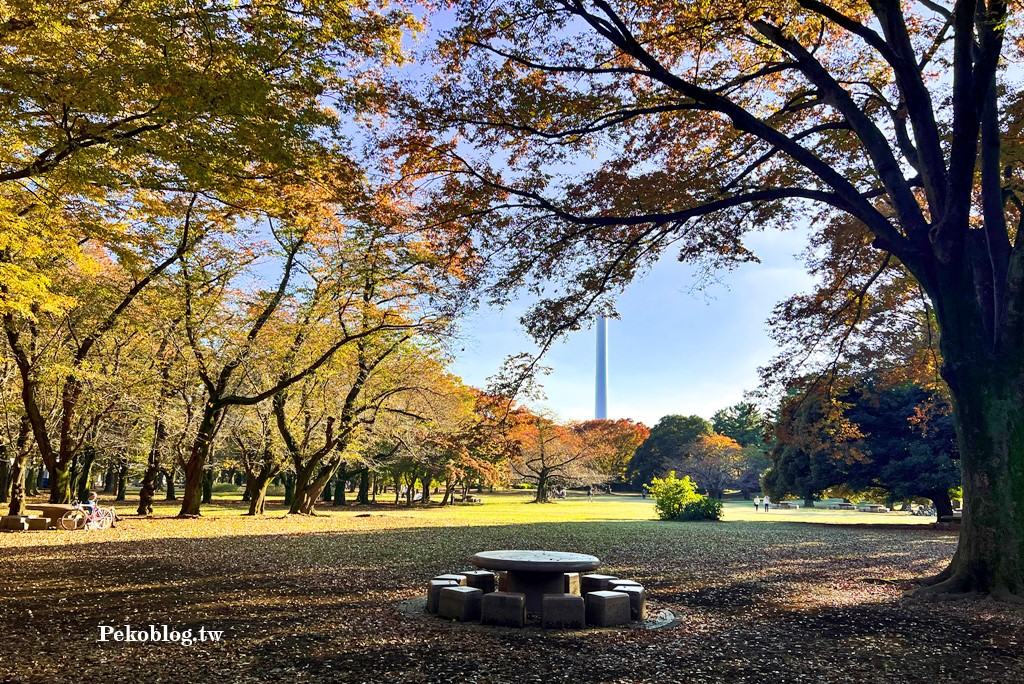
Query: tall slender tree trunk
[88, 457]
[5, 474]
[208, 478]
[122, 482]
[339, 491]
[363, 496]
[171, 493]
[109, 480]
[427, 481]
[289, 489]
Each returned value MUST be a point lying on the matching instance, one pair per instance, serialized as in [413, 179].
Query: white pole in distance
[601, 402]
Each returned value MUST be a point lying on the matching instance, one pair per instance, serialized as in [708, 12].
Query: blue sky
[673, 350]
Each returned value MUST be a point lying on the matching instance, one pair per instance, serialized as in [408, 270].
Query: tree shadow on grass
[321, 606]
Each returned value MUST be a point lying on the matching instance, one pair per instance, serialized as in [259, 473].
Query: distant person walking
[590, 493]
[767, 503]
[757, 503]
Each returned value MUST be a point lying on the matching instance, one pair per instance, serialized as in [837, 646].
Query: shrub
[225, 487]
[677, 499]
[705, 509]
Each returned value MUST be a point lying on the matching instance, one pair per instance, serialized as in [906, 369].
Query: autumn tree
[231, 98]
[713, 462]
[550, 455]
[622, 437]
[664, 445]
[711, 120]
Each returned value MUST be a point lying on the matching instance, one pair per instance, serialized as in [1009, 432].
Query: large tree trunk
[195, 467]
[339, 491]
[60, 483]
[987, 389]
[257, 487]
[18, 480]
[192, 497]
[303, 476]
[542, 488]
[305, 502]
[18, 489]
[363, 496]
[427, 481]
[147, 491]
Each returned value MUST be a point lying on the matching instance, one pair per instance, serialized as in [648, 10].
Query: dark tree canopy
[741, 421]
[900, 440]
[665, 444]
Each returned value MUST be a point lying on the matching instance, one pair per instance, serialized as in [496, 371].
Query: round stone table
[535, 573]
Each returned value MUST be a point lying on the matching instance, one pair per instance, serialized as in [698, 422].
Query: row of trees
[872, 438]
[897, 443]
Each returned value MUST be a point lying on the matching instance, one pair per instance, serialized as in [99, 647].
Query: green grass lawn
[759, 598]
[509, 506]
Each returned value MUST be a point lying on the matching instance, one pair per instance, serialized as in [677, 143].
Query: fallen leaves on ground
[316, 600]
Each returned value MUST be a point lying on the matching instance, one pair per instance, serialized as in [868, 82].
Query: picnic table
[52, 511]
[535, 573]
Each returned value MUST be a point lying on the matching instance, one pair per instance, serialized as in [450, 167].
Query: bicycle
[82, 518]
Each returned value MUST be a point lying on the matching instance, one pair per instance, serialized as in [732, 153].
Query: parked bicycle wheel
[103, 518]
[73, 520]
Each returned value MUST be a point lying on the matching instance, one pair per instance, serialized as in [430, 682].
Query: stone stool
[563, 611]
[572, 583]
[434, 592]
[637, 600]
[37, 523]
[460, 603]
[458, 578]
[607, 608]
[589, 583]
[503, 608]
[480, 579]
[13, 522]
[615, 585]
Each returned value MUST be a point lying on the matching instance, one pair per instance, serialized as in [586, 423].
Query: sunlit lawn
[759, 597]
[508, 507]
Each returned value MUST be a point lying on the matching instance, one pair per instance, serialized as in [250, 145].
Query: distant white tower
[601, 399]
